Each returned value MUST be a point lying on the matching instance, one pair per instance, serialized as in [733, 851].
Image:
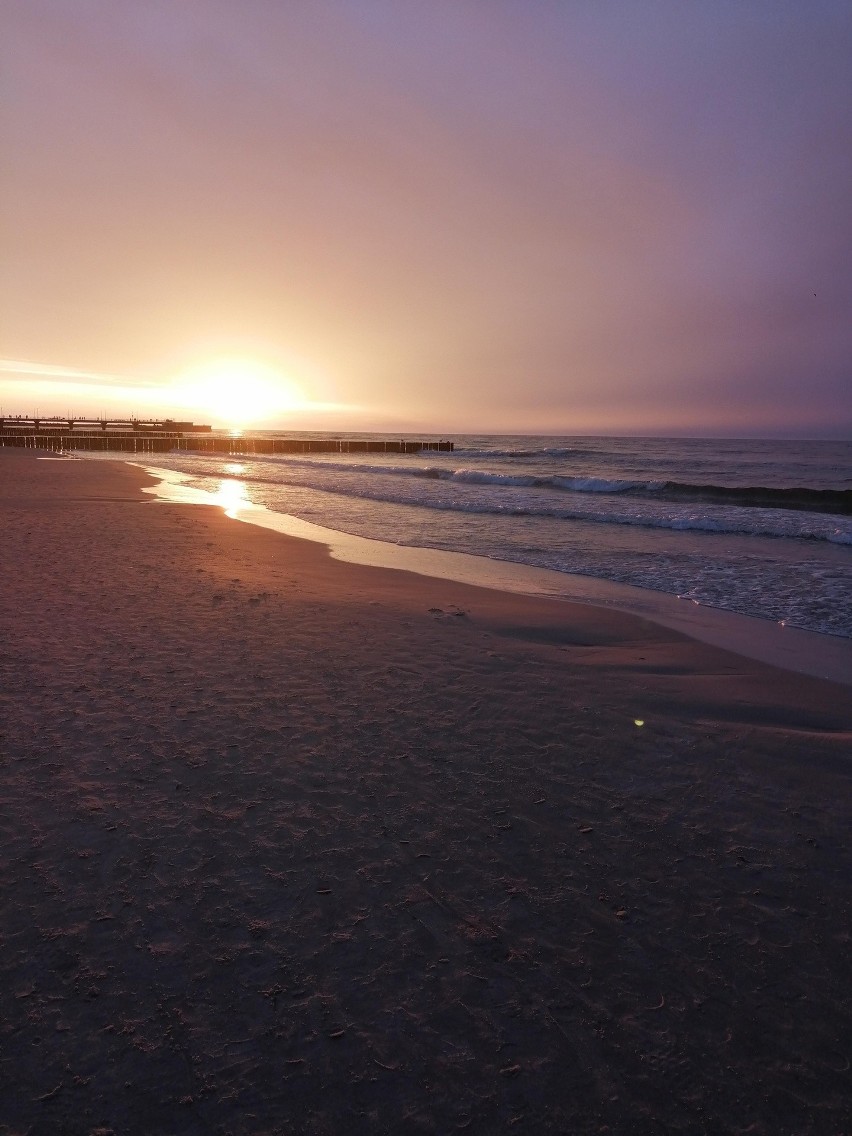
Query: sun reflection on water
[231, 495]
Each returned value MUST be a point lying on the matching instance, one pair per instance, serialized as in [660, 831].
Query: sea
[762, 528]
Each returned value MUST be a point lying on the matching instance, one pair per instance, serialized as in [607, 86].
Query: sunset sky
[555, 216]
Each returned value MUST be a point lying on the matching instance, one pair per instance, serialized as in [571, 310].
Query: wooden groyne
[137, 442]
[225, 445]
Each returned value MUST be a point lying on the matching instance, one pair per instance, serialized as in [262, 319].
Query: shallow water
[761, 528]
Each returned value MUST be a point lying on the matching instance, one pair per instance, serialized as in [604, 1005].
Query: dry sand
[295, 846]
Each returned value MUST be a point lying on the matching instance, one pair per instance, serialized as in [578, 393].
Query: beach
[292, 845]
[756, 528]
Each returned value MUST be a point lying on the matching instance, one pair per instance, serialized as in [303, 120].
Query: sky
[548, 216]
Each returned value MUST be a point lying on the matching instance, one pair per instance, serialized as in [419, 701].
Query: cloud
[23, 371]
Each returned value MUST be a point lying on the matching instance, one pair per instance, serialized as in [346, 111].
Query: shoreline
[294, 844]
[790, 648]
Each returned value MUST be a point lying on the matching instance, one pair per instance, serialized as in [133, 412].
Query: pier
[137, 436]
[21, 424]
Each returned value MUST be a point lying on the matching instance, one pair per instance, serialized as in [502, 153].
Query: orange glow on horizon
[238, 392]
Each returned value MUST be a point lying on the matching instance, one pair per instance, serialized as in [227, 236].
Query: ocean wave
[483, 477]
[799, 498]
[744, 524]
[837, 501]
[774, 523]
[471, 454]
[602, 484]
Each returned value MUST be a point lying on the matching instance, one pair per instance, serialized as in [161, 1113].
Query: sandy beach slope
[295, 846]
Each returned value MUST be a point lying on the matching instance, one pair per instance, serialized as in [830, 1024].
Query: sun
[238, 392]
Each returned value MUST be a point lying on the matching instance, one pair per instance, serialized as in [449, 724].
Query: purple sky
[540, 215]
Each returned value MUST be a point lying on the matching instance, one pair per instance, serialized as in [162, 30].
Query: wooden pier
[164, 435]
[21, 424]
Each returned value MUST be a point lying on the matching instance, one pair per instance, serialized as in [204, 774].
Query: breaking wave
[799, 498]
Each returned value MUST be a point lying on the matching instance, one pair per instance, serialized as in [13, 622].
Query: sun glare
[232, 496]
[238, 392]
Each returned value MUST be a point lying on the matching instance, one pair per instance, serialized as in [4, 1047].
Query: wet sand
[291, 845]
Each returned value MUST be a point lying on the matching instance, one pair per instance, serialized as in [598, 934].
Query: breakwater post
[162, 436]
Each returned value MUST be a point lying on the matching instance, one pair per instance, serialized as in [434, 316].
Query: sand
[291, 845]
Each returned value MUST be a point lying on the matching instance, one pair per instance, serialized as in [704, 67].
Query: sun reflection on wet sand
[231, 495]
